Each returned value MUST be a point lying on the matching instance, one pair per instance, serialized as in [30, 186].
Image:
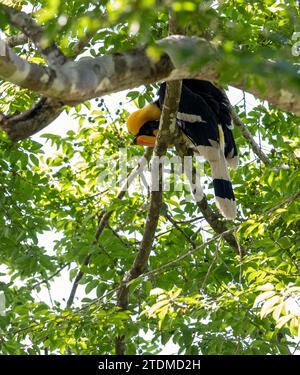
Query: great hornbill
[204, 118]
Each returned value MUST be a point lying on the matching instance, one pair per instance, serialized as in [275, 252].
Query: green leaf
[90, 286]
[264, 296]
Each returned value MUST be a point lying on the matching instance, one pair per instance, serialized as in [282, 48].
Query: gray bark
[78, 81]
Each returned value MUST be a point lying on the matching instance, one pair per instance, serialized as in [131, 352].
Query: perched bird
[204, 118]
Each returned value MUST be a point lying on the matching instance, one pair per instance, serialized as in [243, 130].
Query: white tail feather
[219, 171]
[195, 186]
[227, 207]
[233, 162]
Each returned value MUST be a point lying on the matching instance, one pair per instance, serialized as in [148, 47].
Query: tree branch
[175, 224]
[29, 122]
[17, 40]
[46, 281]
[76, 282]
[246, 133]
[83, 42]
[25, 74]
[173, 262]
[35, 32]
[286, 201]
[44, 111]
[78, 81]
[167, 127]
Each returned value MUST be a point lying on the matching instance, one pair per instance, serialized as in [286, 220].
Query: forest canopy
[87, 267]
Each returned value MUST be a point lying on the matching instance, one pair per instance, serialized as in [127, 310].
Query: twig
[45, 281]
[188, 238]
[186, 254]
[189, 221]
[83, 42]
[288, 200]
[212, 263]
[35, 32]
[246, 133]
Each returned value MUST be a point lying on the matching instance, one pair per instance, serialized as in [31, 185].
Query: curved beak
[145, 140]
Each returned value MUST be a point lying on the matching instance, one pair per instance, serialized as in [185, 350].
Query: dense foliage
[210, 300]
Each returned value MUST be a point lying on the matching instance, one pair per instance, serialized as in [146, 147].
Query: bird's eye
[148, 128]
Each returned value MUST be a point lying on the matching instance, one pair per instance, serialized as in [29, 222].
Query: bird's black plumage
[199, 97]
[204, 117]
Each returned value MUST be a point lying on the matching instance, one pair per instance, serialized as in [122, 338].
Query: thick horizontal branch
[29, 122]
[93, 77]
[25, 74]
[46, 110]
[17, 40]
[23, 22]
